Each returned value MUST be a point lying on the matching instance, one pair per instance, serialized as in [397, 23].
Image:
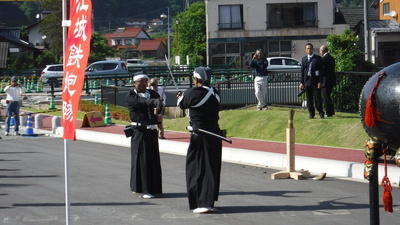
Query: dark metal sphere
[387, 102]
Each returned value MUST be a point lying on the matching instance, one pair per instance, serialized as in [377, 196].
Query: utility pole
[366, 33]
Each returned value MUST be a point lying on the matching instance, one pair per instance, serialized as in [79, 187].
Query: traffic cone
[161, 80]
[96, 99]
[3, 85]
[52, 106]
[29, 126]
[28, 86]
[107, 117]
[38, 86]
[32, 84]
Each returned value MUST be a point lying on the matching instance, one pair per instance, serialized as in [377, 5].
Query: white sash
[210, 92]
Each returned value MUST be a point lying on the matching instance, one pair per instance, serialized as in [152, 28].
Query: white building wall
[255, 23]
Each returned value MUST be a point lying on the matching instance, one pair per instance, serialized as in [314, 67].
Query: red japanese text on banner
[75, 62]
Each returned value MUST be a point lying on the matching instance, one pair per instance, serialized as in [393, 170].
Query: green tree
[347, 54]
[190, 34]
[21, 62]
[51, 27]
[99, 48]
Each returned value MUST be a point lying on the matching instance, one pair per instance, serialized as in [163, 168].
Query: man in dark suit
[311, 80]
[329, 80]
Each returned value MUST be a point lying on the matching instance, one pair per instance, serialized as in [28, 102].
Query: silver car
[54, 70]
[283, 63]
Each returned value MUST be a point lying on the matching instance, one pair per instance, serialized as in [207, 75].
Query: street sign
[93, 119]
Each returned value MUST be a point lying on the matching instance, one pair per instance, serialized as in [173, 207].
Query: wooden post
[290, 154]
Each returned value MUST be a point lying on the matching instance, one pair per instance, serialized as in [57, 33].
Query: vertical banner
[77, 53]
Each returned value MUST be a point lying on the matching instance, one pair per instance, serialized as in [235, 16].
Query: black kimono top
[205, 116]
[141, 107]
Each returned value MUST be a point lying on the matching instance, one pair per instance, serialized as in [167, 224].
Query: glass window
[279, 48]
[218, 60]
[110, 66]
[292, 15]
[386, 8]
[273, 46]
[291, 62]
[276, 62]
[232, 47]
[128, 41]
[286, 46]
[253, 46]
[230, 17]
[218, 48]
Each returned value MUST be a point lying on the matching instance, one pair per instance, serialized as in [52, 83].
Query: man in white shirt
[13, 91]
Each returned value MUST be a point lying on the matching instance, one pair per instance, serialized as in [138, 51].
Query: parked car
[283, 63]
[108, 70]
[136, 63]
[99, 70]
[54, 70]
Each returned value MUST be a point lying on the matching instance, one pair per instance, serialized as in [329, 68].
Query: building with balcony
[235, 28]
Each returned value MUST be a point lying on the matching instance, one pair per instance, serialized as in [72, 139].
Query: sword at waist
[198, 130]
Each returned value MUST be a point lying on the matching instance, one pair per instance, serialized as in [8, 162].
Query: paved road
[32, 191]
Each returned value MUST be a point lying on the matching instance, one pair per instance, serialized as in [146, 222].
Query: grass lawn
[341, 130]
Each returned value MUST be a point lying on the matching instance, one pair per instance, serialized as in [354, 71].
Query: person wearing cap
[203, 160]
[13, 91]
[144, 105]
[260, 64]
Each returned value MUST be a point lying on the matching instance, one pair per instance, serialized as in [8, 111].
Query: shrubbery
[116, 112]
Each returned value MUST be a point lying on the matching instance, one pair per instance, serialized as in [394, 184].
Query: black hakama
[145, 162]
[146, 174]
[203, 160]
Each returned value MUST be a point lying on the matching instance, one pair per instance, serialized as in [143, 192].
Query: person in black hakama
[144, 105]
[203, 160]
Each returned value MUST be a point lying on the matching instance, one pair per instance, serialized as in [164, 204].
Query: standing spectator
[153, 84]
[311, 80]
[13, 91]
[144, 105]
[260, 64]
[203, 160]
[329, 80]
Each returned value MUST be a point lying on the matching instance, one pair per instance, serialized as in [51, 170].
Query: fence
[235, 86]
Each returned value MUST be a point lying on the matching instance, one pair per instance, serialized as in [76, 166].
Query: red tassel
[371, 113]
[387, 195]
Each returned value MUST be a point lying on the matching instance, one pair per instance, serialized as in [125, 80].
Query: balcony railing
[294, 23]
[230, 26]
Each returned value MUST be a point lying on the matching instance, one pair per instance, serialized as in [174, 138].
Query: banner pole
[66, 169]
[66, 161]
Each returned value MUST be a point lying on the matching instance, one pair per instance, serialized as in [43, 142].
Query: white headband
[141, 76]
[197, 75]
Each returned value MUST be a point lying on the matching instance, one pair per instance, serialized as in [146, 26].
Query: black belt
[12, 101]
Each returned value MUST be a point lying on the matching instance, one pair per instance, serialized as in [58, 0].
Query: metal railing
[234, 85]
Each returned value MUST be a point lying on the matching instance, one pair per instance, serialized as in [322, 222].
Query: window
[128, 41]
[276, 62]
[292, 15]
[224, 48]
[290, 62]
[110, 66]
[230, 17]
[279, 48]
[386, 8]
